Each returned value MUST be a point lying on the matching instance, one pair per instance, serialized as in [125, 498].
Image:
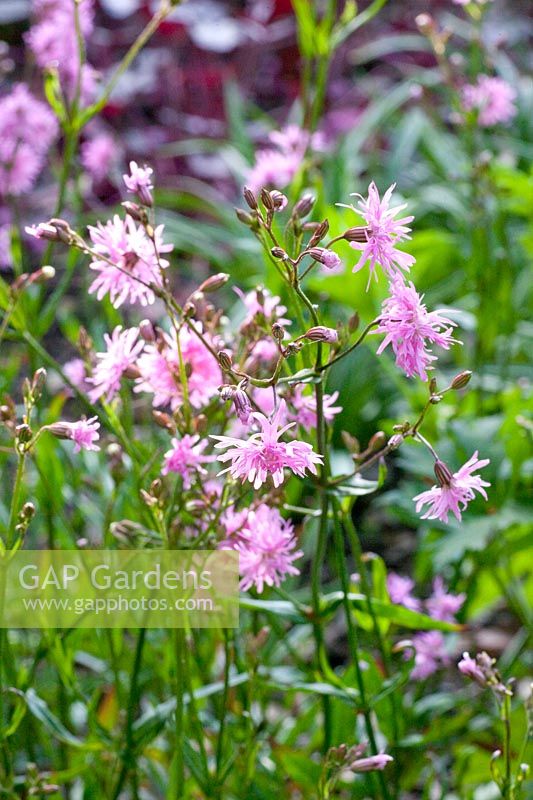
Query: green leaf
[396, 614]
[39, 709]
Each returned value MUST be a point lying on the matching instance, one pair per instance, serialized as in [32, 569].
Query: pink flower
[76, 372]
[371, 763]
[99, 155]
[123, 349]
[27, 129]
[83, 433]
[442, 605]
[469, 667]
[430, 654]
[139, 182]
[399, 588]
[305, 408]
[458, 491]
[262, 307]
[492, 98]
[267, 548]
[263, 454]
[159, 366]
[276, 166]
[53, 41]
[185, 457]
[384, 234]
[137, 270]
[409, 327]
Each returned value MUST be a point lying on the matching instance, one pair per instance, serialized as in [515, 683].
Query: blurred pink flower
[371, 763]
[123, 349]
[99, 155]
[430, 654]
[275, 167]
[186, 458]
[492, 98]
[266, 546]
[139, 182]
[137, 269]
[262, 454]
[261, 306]
[442, 605]
[159, 366]
[384, 234]
[83, 433]
[400, 588]
[469, 667]
[27, 129]
[305, 408]
[408, 326]
[76, 372]
[449, 496]
[53, 40]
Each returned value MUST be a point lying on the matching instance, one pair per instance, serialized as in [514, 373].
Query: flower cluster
[278, 164]
[491, 98]
[27, 129]
[430, 647]
[53, 39]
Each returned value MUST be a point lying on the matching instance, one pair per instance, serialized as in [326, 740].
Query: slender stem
[357, 342]
[179, 766]
[133, 700]
[223, 715]
[15, 501]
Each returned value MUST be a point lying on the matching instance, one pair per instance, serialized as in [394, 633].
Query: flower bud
[278, 331]
[214, 282]
[267, 200]
[243, 407]
[372, 763]
[226, 392]
[443, 473]
[249, 198]
[377, 441]
[351, 443]
[320, 231]
[322, 334]
[38, 382]
[425, 23]
[395, 441]
[326, 257]
[243, 217]
[353, 322]
[147, 330]
[359, 234]
[85, 343]
[163, 420]
[23, 433]
[225, 360]
[304, 206]
[279, 200]
[461, 380]
[278, 252]
[135, 211]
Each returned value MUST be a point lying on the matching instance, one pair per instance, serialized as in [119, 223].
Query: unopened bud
[147, 330]
[214, 282]
[85, 343]
[163, 420]
[38, 382]
[377, 441]
[249, 198]
[351, 442]
[278, 331]
[322, 334]
[395, 441]
[358, 234]
[320, 231]
[200, 423]
[266, 199]
[156, 488]
[372, 763]
[135, 211]
[279, 200]
[27, 512]
[244, 217]
[279, 252]
[23, 433]
[132, 372]
[353, 322]
[226, 392]
[225, 360]
[461, 380]
[304, 206]
[443, 473]
[243, 407]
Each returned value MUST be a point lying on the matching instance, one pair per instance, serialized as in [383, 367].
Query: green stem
[179, 766]
[129, 750]
[15, 501]
[223, 714]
